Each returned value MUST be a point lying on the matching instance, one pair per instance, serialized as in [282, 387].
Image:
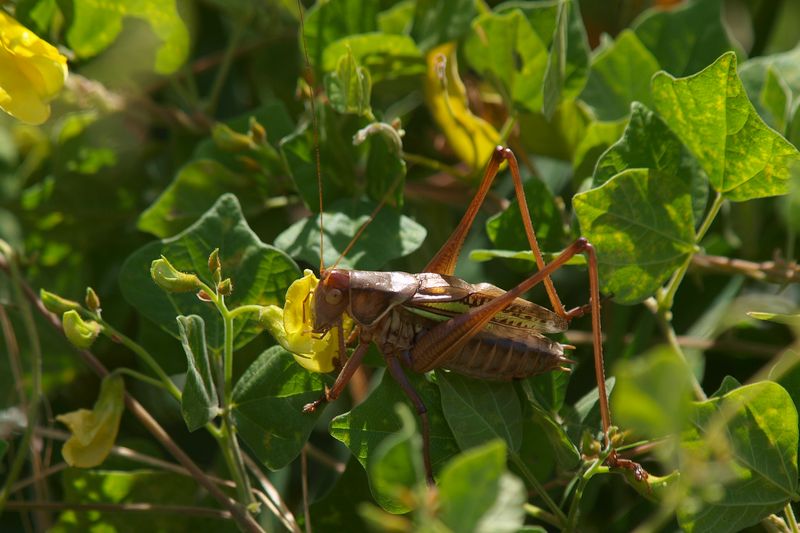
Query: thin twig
[777, 271]
[325, 459]
[121, 508]
[304, 484]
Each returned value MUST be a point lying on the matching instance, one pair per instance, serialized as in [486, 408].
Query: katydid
[435, 320]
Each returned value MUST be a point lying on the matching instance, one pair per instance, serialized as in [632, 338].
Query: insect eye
[333, 296]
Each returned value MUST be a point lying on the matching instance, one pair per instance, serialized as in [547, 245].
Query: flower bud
[56, 304]
[203, 296]
[92, 300]
[230, 141]
[81, 333]
[225, 287]
[213, 261]
[257, 131]
[171, 279]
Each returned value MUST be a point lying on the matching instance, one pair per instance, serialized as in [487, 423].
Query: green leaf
[564, 451]
[710, 113]
[648, 143]
[506, 231]
[686, 39]
[786, 66]
[479, 411]
[327, 22]
[652, 396]
[437, 21]
[481, 255]
[556, 64]
[397, 18]
[199, 402]
[349, 86]
[568, 60]
[268, 405]
[741, 458]
[476, 492]
[388, 236]
[781, 318]
[504, 47]
[396, 466]
[117, 487]
[193, 191]
[774, 101]
[642, 227]
[620, 75]
[260, 273]
[385, 165]
[386, 56]
[339, 509]
[95, 25]
[369, 423]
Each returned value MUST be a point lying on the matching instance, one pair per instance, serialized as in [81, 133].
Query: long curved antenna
[310, 78]
[367, 222]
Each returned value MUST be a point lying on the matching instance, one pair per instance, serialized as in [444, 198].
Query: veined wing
[441, 297]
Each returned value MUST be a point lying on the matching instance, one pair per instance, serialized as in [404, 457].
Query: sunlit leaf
[327, 22]
[260, 273]
[648, 143]
[471, 137]
[94, 432]
[95, 25]
[268, 405]
[642, 227]
[710, 113]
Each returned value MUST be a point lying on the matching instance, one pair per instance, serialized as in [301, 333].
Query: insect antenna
[315, 125]
[367, 222]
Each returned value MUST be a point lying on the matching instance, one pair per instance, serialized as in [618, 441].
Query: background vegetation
[666, 134]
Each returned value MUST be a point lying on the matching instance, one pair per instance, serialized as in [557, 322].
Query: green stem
[36, 374]
[593, 469]
[243, 309]
[557, 512]
[789, 512]
[541, 514]
[141, 377]
[228, 441]
[139, 350]
[433, 164]
[667, 298]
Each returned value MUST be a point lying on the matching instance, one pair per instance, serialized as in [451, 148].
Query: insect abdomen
[498, 359]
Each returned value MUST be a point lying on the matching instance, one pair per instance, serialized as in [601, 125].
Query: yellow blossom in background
[32, 72]
[94, 432]
[292, 325]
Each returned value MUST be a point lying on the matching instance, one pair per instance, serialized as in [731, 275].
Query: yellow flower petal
[32, 72]
[471, 137]
[94, 432]
[292, 325]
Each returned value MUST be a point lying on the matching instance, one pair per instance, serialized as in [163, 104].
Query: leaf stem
[595, 467]
[557, 512]
[433, 164]
[789, 512]
[227, 60]
[541, 514]
[140, 351]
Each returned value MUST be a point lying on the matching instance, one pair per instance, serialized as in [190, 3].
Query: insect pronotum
[436, 320]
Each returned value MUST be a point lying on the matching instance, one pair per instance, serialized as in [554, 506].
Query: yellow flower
[32, 72]
[292, 325]
[94, 432]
